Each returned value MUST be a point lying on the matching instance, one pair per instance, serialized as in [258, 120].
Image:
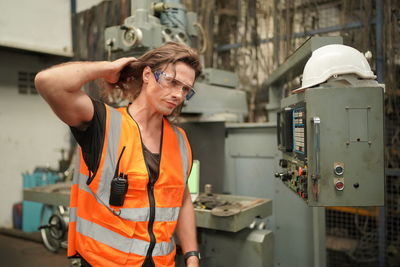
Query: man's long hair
[157, 59]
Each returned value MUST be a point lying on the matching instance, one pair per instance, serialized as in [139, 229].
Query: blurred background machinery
[151, 24]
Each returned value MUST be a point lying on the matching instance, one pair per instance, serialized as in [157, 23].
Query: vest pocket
[109, 240]
[137, 196]
[137, 183]
[115, 224]
[169, 195]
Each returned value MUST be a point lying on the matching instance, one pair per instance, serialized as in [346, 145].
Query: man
[129, 193]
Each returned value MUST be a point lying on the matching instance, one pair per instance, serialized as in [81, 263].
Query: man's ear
[146, 74]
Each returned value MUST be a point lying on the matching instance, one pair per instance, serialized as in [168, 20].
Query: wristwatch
[190, 254]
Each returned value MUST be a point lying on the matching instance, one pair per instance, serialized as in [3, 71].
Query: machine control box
[332, 145]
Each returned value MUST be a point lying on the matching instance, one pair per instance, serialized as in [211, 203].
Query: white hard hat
[335, 59]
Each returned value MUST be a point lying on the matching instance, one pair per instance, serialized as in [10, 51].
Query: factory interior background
[253, 53]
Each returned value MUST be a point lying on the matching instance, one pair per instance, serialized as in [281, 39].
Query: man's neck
[145, 116]
[150, 125]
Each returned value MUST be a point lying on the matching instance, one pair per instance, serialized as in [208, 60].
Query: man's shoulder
[107, 108]
[173, 125]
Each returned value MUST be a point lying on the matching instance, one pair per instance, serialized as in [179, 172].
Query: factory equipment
[54, 230]
[232, 222]
[54, 215]
[331, 132]
[235, 225]
[216, 99]
[153, 23]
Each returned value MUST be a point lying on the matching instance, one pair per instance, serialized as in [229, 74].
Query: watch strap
[190, 254]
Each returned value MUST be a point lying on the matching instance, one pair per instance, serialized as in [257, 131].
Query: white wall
[40, 25]
[30, 134]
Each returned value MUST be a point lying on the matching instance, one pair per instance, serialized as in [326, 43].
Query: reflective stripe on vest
[122, 243]
[142, 214]
[114, 129]
[184, 152]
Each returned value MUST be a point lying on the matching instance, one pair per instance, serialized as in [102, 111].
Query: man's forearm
[70, 76]
[186, 227]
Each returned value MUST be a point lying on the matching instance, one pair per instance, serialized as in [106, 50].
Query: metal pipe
[276, 38]
[73, 7]
[351, 25]
[135, 5]
[140, 10]
[382, 237]
[34, 236]
[379, 48]
[392, 172]
[380, 78]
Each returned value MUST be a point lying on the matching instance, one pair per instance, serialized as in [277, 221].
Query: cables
[203, 38]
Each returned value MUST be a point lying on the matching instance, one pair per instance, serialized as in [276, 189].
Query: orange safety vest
[106, 235]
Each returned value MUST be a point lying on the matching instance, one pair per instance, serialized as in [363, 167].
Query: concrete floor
[17, 252]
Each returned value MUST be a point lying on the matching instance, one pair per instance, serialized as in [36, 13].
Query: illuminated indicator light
[300, 171]
[339, 185]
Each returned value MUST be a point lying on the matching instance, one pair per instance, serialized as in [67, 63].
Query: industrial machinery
[54, 215]
[153, 23]
[233, 223]
[54, 230]
[236, 225]
[331, 132]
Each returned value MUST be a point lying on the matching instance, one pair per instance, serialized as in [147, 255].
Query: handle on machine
[316, 121]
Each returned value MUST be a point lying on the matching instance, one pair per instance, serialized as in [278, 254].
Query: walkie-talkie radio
[119, 185]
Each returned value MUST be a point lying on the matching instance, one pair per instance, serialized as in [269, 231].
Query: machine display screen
[292, 130]
[285, 132]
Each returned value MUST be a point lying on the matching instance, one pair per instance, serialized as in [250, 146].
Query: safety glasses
[168, 81]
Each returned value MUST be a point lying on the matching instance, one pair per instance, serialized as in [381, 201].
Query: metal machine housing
[342, 162]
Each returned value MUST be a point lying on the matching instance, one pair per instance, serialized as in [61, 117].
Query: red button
[339, 186]
[300, 171]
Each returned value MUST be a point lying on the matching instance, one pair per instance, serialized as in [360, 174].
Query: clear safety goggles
[168, 81]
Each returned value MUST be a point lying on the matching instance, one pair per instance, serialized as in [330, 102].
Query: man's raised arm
[60, 86]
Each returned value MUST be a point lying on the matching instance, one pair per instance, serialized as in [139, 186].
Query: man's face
[168, 89]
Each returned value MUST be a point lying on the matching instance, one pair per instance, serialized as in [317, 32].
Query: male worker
[129, 193]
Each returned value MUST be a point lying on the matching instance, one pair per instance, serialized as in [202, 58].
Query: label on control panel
[299, 130]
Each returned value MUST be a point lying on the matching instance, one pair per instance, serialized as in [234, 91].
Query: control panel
[332, 146]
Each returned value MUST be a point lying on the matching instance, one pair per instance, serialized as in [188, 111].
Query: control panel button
[339, 170]
[339, 185]
[299, 171]
[283, 163]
